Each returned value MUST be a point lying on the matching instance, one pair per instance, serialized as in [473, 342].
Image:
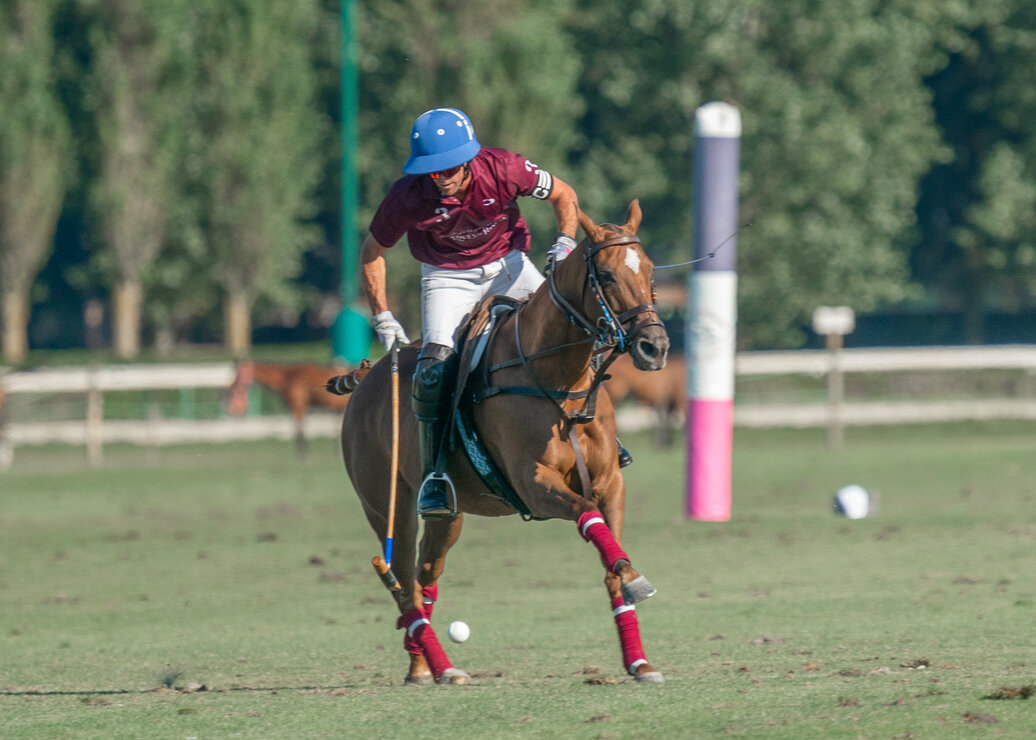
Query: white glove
[563, 246]
[389, 330]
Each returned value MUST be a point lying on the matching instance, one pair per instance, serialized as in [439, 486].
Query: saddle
[475, 337]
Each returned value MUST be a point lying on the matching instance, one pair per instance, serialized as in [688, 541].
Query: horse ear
[633, 216]
[593, 231]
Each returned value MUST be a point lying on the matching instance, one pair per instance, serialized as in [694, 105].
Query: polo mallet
[383, 565]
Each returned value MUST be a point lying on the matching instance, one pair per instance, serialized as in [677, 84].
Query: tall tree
[509, 66]
[837, 132]
[259, 126]
[34, 148]
[977, 212]
[138, 102]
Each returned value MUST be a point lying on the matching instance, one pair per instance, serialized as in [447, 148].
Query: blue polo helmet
[440, 139]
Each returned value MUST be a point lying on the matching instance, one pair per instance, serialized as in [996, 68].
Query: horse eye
[605, 278]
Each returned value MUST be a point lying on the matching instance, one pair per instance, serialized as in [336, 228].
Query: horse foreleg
[626, 587]
[428, 660]
[420, 671]
[625, 615]
[634, 586]
[419, 633]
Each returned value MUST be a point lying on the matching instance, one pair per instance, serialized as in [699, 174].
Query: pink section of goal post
[709, 442]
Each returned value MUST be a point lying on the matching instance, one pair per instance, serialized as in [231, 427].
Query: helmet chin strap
[465, 183]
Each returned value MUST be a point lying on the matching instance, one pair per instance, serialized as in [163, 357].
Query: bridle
[610, 329]
[609, 332]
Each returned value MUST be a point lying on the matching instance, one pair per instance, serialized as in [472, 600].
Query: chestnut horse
[537, 424]
[665, 392]
[300, 385]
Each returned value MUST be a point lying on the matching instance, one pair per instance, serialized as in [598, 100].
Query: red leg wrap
[429, 595]
[419, 630]
[592, 527]
[629, 634]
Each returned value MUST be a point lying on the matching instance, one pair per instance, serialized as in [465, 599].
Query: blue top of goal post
[717, 130]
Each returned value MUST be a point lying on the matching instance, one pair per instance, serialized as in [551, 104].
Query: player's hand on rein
[562, 247]
[389, 330]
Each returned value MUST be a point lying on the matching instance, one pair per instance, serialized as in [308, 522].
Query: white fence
[94, 431]
[837, 413]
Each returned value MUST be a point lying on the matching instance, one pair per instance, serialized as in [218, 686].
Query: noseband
[610, 329]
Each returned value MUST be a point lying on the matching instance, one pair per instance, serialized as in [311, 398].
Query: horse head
[619, 305]
[237, 393]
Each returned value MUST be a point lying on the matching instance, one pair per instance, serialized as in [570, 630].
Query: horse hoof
[421, 680]
[637, 590]
[454, 676]
[649, 677]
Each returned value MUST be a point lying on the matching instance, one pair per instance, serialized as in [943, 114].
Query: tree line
[888, 154]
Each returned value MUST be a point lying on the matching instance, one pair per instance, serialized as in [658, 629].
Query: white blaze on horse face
[633, 260]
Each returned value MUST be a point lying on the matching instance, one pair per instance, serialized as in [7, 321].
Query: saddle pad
[487, 469]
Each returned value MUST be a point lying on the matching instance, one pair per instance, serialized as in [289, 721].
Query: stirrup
[437, 498]
[625, 458]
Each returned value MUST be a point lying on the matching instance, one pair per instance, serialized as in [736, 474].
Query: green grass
[244, 573]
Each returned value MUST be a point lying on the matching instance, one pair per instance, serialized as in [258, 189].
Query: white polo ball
[458, 631]
[852, 501]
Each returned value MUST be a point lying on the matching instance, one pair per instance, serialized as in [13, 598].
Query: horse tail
[343, 385]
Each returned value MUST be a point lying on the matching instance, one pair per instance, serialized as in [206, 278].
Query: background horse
[664, 391]
[560, 465]
[300, 385]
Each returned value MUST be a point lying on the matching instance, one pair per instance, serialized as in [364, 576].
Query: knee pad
[434, 378]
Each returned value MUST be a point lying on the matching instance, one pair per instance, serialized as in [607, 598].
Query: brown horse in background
[300, 385]
[665, 391]
[534, 380]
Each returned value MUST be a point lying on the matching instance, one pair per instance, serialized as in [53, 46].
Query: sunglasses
[445, 173]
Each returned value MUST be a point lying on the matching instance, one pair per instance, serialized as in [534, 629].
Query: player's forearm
[372, 275]
[566, 207]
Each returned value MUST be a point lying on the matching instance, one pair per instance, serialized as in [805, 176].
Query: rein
[612, 332]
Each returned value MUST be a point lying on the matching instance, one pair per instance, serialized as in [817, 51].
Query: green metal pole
[351, 334]
[349, 106]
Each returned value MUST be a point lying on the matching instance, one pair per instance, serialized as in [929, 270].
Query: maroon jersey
[446, 232]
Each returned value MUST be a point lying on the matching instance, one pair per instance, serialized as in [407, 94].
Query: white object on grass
[852, 501]
[458, 631]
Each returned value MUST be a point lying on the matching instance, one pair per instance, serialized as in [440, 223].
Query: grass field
[226, 592]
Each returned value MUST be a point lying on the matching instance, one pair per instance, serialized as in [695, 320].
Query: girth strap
[584, 472]
[521, 390]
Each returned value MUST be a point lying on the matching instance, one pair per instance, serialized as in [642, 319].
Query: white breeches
[448, 295]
